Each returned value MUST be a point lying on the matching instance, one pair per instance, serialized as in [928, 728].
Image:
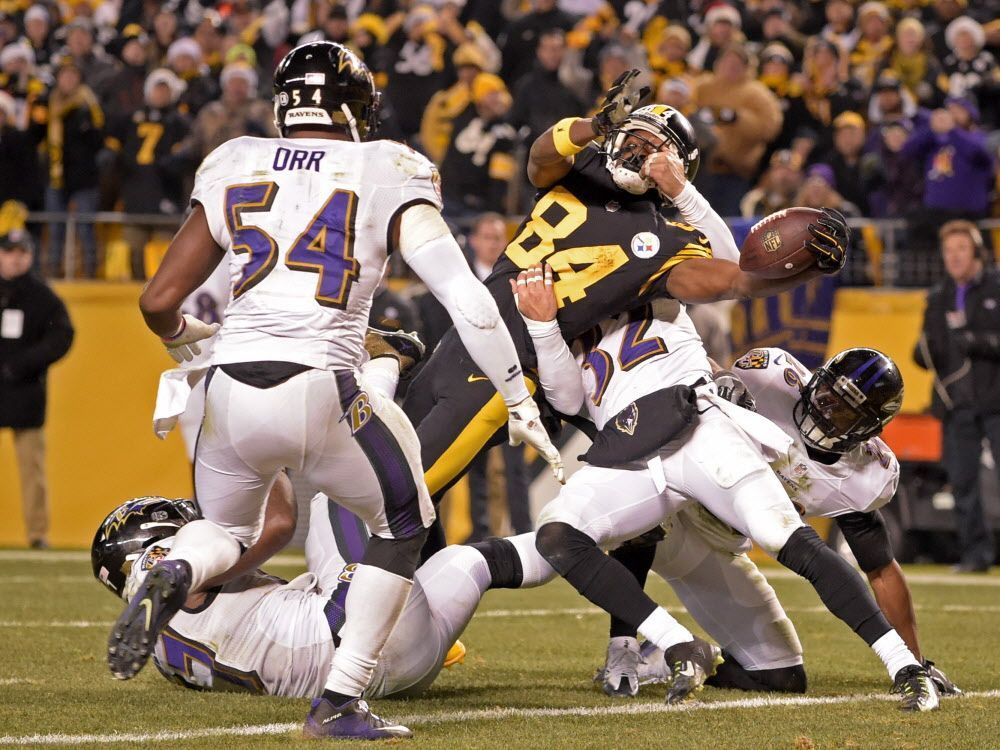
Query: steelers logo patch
[645, 245]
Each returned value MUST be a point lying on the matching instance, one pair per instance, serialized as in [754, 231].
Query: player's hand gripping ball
[790, 241]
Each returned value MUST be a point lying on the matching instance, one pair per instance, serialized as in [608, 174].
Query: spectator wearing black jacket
[35, 332]
[150, 162]
[540, 98]
[960, 344]
[519, 42]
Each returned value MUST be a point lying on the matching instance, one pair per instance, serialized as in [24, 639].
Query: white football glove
[524, 425]
[182, 345]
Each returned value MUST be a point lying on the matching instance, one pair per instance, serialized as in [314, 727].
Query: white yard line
[503, 613]
[48, 555]
[489, 714]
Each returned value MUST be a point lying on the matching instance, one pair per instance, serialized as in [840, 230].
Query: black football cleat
[351, 721]
[916, 688]
[941, 681]
[689, 665]
[405, 347]
[134, 634]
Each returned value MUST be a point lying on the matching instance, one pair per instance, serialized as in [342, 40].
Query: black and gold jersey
[610, 251]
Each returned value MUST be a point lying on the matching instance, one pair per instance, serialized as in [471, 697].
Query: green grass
[53, 680]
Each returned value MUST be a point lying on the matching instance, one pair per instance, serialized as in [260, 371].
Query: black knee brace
[781, 680]
[840, 587]
[503, 561]
[604, 581]
[398, 556]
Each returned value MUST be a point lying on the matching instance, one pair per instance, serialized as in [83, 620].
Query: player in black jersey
[598, 223]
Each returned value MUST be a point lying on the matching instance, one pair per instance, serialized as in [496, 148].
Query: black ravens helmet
[325, 86]
[129, 529]
[849, 400]
[660, 121]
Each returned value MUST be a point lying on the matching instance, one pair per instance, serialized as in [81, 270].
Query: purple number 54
[325, 247]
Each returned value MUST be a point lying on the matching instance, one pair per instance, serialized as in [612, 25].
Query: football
[775, 248]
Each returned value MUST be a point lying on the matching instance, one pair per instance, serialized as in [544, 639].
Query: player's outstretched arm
[428, 248]
[551, 155]
[190, 260]
[557, 369]
[710, 280]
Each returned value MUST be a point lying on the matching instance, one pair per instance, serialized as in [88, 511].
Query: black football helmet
[131, 528]
[849, 400]
[325, 86]
[661, 121]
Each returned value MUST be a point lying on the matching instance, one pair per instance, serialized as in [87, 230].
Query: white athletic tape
[489, 714]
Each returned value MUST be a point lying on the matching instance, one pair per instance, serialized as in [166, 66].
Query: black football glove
[619, 101]
[831, 241]
[734, 390]
[940, 680]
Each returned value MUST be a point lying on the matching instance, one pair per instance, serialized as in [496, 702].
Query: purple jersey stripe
[399, 489]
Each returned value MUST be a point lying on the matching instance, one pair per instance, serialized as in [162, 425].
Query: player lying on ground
[836, 467]
[680, 443]
[306, 222]
[599, 221]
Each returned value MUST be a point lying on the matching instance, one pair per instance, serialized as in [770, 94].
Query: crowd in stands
[881, 109]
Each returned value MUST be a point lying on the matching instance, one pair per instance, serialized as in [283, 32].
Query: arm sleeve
[868, 538]
[430, 250]
[557, 369]
[697, 212]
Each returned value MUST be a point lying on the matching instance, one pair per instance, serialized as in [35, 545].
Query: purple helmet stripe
[867, 385]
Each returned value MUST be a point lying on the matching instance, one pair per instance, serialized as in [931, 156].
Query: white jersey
[864, 479]
[208, 304]
[306, 225]
[257, 634]
[637, 353]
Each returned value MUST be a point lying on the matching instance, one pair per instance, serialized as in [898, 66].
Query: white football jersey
[864, 479]
[257, 634]
[636, 353]
[305, 223]
[208, 304]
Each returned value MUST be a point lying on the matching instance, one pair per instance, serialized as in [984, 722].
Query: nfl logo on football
[772, 240]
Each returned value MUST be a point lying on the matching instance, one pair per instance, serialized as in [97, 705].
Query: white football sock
[382, 375]
[534, 569]
[894, 653]
[663, 630]
[373, 605]
[208, 548]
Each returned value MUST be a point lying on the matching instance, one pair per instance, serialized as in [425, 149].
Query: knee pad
[397, 556]
[768, 514]
[503, 561]
[476, 305]
[562, 546]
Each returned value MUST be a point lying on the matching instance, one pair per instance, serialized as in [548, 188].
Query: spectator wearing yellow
[840, 28]
[74, 132]
[849, 133]
[209, 36]
[916, 68]
[668, 54]
[875, 44]
[19, 78]
[828, 90]
[479, 165]
[446, 105]
[747, 116]
[418, 68]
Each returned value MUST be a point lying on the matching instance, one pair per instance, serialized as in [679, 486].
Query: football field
[526, 682]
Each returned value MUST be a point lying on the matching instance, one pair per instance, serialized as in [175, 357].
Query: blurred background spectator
[35, 332]
[839, 83]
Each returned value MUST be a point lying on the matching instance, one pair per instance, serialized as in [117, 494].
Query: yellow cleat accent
[455, 655]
